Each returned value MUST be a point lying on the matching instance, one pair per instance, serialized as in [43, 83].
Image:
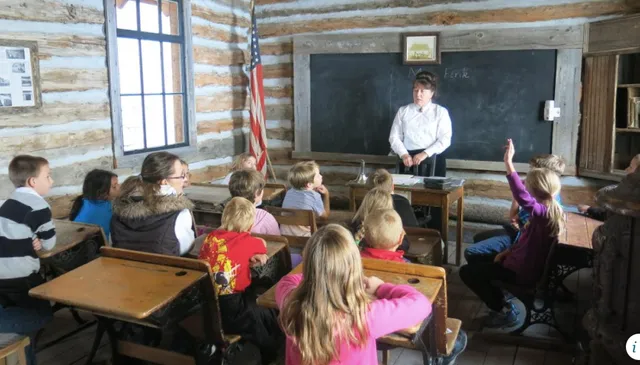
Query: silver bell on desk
[362, 178]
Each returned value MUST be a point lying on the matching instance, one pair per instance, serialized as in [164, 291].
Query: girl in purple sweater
[524, 262]
[332, 313]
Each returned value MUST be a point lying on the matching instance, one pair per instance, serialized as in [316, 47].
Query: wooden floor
[463, 304]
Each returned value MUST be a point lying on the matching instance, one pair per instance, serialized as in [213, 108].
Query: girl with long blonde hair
[524, 262]
[242, 161]
[376, 199]
[332, 313]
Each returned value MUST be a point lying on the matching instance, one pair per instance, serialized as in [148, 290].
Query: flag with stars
[258, 137]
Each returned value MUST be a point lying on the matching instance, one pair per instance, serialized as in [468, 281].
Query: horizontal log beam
[58, 113]
[237, 100]
[218, 57]
[73, 79]
[50, 11]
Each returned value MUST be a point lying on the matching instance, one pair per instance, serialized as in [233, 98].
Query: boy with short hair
[305, 194]
[383, 234]
[381, 178]
[490, 243]
[231, 251]
[27, 227]
[249, 184]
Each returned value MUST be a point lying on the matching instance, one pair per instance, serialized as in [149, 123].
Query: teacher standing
[422, 130]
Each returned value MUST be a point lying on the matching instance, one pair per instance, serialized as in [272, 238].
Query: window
[150, 79]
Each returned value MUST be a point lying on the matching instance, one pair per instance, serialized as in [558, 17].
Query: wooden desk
[211, 196]
[336, 216]
[117, 288]
[428, 197]
[579, 230]
[70, 234]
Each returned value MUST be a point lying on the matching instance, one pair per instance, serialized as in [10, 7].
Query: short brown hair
[24, 167]
[554, 163]
[246, 183]
[383, 229]
[381, 179]
[302, 174]
[238, 215]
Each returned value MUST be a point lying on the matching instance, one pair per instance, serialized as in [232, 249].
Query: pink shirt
[397, 307]
[265, 223]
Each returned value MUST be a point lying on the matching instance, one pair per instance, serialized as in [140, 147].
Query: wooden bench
[295, 217]
[13, 346]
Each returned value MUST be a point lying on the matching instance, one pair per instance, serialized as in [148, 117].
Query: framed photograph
[19, 76]
[421, 48]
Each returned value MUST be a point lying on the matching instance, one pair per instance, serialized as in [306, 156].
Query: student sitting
[381, 178]
[231, 251]
[306, 187]
[249, 184]
[26, 228]
[243, 161]
[374, 200]
[601, 213]
[523, 263]
[100, 187]
[332, 313]
[152, 214]
[384, 234]
[490, 243]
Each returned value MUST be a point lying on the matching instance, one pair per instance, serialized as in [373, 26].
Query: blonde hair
[330, 304]
[302, 174]
[238, 215]
[382, 179]
[544, 185]
[554, 163]
[375, 199]
[383, 229]
[240, 160]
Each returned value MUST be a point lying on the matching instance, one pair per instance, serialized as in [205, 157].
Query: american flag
[258, 138]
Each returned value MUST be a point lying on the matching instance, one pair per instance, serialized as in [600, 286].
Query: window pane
[149, 16]
[154, 118]
[172, 67]
[126, 15]
[132, 132]
[170, 20]
[129, 66]
[175, 119]
[151, 67]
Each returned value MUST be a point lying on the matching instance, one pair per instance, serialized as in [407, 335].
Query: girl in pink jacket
[332, 313]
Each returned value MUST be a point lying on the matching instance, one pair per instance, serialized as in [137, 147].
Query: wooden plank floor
[463, 304]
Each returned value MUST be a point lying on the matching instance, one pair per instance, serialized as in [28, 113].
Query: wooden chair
[426, 246]
[13, 345]
[444, 342]
[545, 289]
[295, 217]
[204, 324]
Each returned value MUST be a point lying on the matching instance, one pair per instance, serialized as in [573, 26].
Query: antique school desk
[419, 195]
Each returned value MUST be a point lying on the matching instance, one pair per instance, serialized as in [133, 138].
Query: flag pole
[266, 150]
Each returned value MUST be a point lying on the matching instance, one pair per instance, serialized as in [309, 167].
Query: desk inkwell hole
[413, 281]
[181, 273]
[80, 229]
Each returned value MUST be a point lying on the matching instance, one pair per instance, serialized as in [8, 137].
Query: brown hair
[554, 163]
[246, 183]
[24, 167]
[428, 80]
[381, 179]
[302, 174]
[156, 167]
[383, 229]
[237, 163]
[238, 215]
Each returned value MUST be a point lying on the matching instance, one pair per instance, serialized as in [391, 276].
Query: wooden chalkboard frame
[568, 41]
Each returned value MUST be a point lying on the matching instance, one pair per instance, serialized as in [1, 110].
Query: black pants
[422, 170]
[478, 277]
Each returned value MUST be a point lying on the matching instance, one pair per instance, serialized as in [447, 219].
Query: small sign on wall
[19, 76]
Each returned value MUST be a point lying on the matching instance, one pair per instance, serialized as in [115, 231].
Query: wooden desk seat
[426, 246]
[295, 217]
[11, 344]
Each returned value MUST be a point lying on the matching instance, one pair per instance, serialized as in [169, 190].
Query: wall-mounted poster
[19, 75]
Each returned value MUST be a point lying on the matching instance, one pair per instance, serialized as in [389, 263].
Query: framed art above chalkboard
[421, 48]
[19, 76]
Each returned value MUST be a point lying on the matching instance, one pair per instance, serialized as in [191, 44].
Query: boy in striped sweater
[25, 227]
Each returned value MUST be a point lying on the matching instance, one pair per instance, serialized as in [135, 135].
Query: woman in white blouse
[421, 129]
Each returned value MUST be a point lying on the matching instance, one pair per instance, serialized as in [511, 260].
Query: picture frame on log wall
[421, 48]
[19, 76]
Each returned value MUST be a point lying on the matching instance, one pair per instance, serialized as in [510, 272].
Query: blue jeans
[486, 251]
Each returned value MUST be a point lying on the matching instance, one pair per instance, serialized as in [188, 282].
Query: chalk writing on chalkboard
[457, 73]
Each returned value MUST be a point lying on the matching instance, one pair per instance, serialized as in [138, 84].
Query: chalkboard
[491, 96]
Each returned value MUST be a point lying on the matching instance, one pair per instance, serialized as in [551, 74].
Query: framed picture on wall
[421, 48]
[19, 76]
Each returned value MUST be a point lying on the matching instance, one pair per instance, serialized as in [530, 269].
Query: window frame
[134, 159]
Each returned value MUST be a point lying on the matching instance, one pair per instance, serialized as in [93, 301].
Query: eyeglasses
[183, 176]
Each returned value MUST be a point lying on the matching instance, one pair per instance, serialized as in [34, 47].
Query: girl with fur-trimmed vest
[152, 214]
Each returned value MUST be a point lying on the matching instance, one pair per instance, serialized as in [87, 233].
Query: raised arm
[518, 190]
